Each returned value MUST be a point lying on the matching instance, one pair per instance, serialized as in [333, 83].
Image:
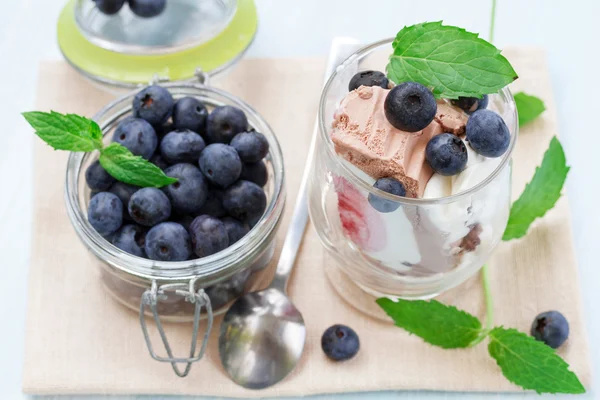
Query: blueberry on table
[487, 133]
[189, 193]
[157, 160]
[124, 192]
[410, 107]
[550, 327]
[390, 185]
[138, 136]
[97, 178]
[190, 113]
[147, 8]
[368, 78]
[255, 172]
[105, 213]
[446, 154]
[168, 241]
[131, 238]
[340, 343]
[471, 104]
[109, 7]
[223, 123]
[213, 205]
[153, 104]
[181, 147]
[209, 235]
[245, 201]
[220, 164]
[149, 206]
[235, 229]
[251, 146]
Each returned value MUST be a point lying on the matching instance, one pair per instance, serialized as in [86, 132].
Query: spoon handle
[341, 48]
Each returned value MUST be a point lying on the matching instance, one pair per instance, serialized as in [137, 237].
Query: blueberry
[251, 146]
[471, 104]
[97, 178]
[157, 160]
[124, 192]
[224, 123]
[213, 205]
[235, 229]
[189, 193]
[162, 130]
[550, 327]
[149, 206]
[340, 343]
[105, 213]
[368, 78]
[487, 133]
[446, 154]
[131, 238]
[138, 136]
[147, 8]
[209, 235]
[153, 104]
[190, 113]
[390, 185]
[220, 164]
[182, 147]
[410, 107]
[168, 241]
[255, 172]
[224, 292]
[184, 220]
[109, 7]
[245, 201]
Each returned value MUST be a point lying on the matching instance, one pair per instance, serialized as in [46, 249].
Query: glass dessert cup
[428, 245]
[188, 290]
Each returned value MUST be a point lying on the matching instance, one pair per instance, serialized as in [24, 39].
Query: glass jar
[426, 246]
[177, 291]
[123, 51]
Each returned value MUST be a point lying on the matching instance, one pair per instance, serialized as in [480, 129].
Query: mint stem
[489, 306]
[493, 22]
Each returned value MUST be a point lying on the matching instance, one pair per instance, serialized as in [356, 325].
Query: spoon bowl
[262, 338]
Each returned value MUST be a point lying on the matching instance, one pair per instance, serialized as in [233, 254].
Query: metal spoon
[262, 335]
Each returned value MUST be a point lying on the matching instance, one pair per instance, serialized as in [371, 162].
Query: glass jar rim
[359, 182]
[212, 265]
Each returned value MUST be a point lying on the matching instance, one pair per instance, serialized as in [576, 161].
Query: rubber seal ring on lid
[150, 299]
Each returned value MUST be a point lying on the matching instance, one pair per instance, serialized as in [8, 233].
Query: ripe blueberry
[410, 107]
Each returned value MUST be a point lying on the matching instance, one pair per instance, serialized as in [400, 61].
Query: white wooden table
[567, 29]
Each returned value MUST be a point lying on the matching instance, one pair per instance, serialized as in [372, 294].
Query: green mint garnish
[531, 364]
[449, 60]
[76, 133]
[118, 161]
[436, 323]
[529, 107]
[541, 194]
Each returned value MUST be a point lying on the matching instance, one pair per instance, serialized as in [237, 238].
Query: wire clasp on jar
[200, 77]
[151, 297]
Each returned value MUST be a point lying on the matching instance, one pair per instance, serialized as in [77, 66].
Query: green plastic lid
[126, 70]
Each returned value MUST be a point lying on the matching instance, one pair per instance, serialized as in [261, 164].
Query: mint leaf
[449, 60]
[531, 364]
[66, 132]
[529, 107]
[118, 161]
[434, 322]
[541, 194]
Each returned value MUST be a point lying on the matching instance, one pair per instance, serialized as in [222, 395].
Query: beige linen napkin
[80, 341]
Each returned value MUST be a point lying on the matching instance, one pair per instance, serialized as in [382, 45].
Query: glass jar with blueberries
[417, 212]
[123, 44]
[185, 251]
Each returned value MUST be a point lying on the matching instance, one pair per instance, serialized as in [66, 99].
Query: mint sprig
[449, 60]
[529, 107]
[76, 133]
[523, 360]
[540, 194]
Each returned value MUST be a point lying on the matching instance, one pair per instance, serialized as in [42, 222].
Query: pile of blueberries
[218, 198]
[411, 107]
[141, 8]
